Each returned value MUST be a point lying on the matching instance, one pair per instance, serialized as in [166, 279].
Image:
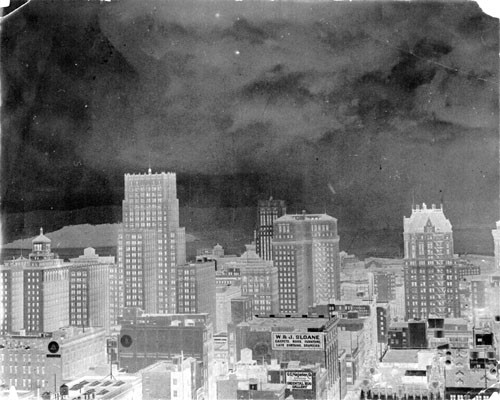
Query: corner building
[151, 244]
[38, 290]
[306, 253]
[430, 270]
[309, 340]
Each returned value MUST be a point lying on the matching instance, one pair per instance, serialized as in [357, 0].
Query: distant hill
[81, 236]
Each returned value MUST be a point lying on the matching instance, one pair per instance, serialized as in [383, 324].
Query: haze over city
[360, 109]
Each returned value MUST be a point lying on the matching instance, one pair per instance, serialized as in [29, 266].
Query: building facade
[196, 289]
[223, 297]
[36, 290]
[259, 280]
[89, 290]
[309, 340]
[306, 253]
[267, 212]
[431, 274]
[148, 338]
[28, 364]
[151, 244]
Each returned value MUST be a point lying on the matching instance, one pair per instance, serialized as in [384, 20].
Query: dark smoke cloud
[376, 99]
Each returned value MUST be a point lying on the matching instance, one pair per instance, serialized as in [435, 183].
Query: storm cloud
[379, 100]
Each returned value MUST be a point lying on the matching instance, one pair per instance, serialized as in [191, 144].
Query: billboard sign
[302, 380]
[297, 341]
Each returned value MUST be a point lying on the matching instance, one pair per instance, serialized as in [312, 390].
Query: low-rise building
[309, 340]
[304, 381]
[119, 387]
[175, 379]
[407, 335]
[148, 338]
[452, 332]
[43, 361]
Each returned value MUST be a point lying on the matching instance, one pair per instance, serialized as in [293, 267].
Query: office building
[407, 335]
[196, 289]
[383, 321]
[174, 379]
[454, 333]
[150, 244]
[259, 280]
[148, 338]
[241, 311]
[223, 297]
[36, 290]
[304, 381]
[309, 340]
[306, 253]
[431, 274]
[89, 290]
[267, 212]
[363, 309]
[384, 285]
[27, 363]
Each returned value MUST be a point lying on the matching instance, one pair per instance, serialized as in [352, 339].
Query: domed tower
[41, 248]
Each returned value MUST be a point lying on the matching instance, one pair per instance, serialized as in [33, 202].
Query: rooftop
[304, 216]
[401, 356]
[100, 386]
[263, 386]
[292, 323]
[41, 238]
[422, 216]
[465, 377]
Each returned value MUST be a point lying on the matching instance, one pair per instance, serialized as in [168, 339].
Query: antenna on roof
[442, 199]
[413, 199]
[149, 162]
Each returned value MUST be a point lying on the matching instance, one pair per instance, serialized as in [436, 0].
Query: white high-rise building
[151, 244]
[431, 279]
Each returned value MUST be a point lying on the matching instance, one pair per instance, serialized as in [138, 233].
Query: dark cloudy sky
[354, 107]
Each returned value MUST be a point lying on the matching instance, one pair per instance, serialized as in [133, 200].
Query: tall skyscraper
[268, 211]
[151, 244]
[431, 277]
[306, 252]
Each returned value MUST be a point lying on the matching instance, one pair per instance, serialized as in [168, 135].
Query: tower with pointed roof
[431, 276]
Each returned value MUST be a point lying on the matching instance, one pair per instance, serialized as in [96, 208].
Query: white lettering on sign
[297, 341]
[302, 380]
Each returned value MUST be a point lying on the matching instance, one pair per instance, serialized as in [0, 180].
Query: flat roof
[401, 356]
[293, 323]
